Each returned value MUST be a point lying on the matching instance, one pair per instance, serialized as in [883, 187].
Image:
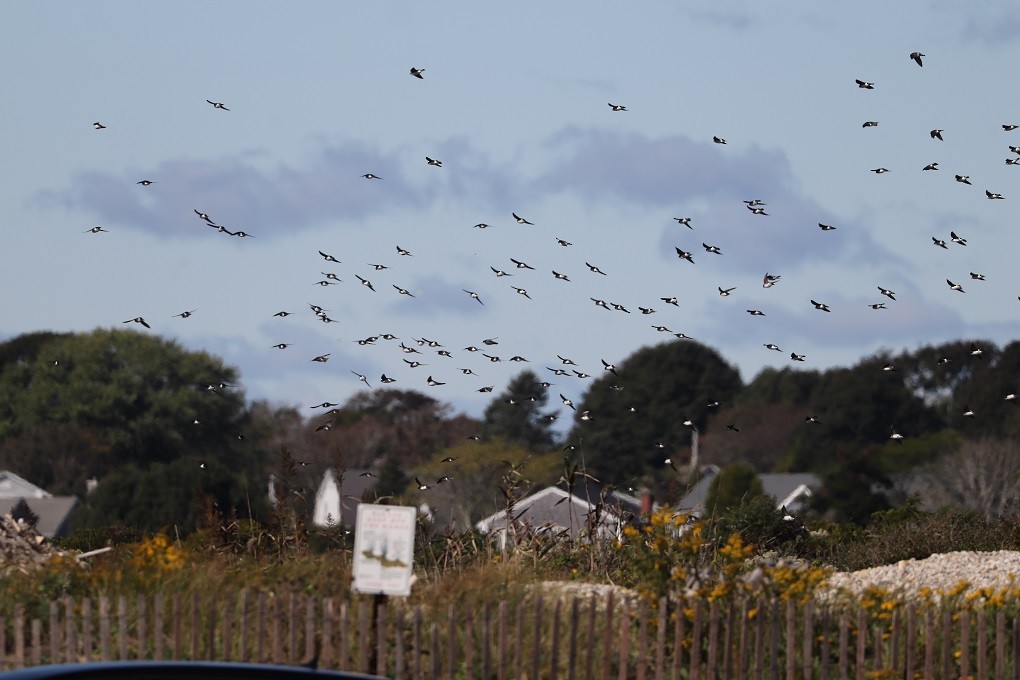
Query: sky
[514, 102]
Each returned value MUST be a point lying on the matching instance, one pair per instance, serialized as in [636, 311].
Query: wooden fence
[541, 637]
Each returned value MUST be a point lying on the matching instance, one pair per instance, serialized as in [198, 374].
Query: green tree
[646, 403]
[136, 411]
[734, 485]
[516, 414]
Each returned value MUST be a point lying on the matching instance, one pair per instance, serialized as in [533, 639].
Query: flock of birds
[432, 361]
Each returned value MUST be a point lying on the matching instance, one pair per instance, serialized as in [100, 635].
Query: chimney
[646, 501]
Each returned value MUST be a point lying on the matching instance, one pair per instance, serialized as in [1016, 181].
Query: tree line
[167, 430]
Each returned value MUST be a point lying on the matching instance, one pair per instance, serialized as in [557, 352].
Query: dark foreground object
[178, 670]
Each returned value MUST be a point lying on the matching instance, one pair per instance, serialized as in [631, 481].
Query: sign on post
[383, 549]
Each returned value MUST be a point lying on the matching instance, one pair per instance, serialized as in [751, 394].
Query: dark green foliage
[780, 386]
[735, 485]
[758, 522]
[907, 533]
[851, 487]
[666, 384]
[516, 414]
[135, 411]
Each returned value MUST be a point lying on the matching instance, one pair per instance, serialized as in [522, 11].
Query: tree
[646, 403]
[136, 411]
[982, 475]
[516, 414]
[734, 485]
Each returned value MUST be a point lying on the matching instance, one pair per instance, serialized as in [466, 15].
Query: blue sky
[514, 102]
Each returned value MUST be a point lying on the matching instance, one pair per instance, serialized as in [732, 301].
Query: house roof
[561, 510]
[786, 487]
[13, 486]
[54, 513]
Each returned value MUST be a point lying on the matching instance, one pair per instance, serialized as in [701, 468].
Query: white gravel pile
[940, 572]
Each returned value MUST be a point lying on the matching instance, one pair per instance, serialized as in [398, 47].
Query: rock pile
[21, 546]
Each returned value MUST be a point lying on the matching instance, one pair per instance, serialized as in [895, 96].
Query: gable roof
[557, 509]
[54, 513]
[788, 488]
[13, 486]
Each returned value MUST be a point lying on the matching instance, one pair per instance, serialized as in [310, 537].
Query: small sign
[383, 549]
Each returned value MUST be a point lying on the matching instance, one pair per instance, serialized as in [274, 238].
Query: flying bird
[138, 319]
[718, 140]
[474, 296]
[957, 239]
[916, 56]
[417, 73]
[521, 291]
[686, 221]
[955, 286]
[365, 282]
[594, 269]
[617, 107]
[963, 179]
[770, 280]
[434, 161]
[521, 265]
[864, 85]
[870, 123]
[880, 171]
[993, 195]
[218, 105]
[888, 293]
[96, 230]
[185, 315]
[521, 220]
[937, 134]
[821, 306]
[826, 227]
[98, 126]
[145, 182]
[369, 175]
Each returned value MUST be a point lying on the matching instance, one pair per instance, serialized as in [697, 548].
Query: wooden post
[623, 642]
[157, 627]
[589, 665]
[54, 632]
[398, 648]
[86, 630]
[745, 608]
[791, 640]
[642, 645]
[809, 635]
[519, 640]
[104, 628]
[964, 643]
[141, 648]
[947, 644]
[209, 651]
[36, 642]
[379, 612]
[328, 614]
[606, 636]
[343, 639]
[469, 643]
[678, 641]
[774, 637]
[228, 629]
[929, 644]
[554, 648]
[178, 640]
[536, 639]
[660, 638]
[501, 641]
[292, 628]
[862, 641]
[713, 639]
[451, 644]
[434, 652]
[416, 668]
[982, 642]
[1000, 644]
[19, 636]
[695, 672]
[844, 646]
[909, 640]
[486, 640]
[363, 636]
[826, 643]
[243, 626]
[70, 639]
[311, 648]
[759, 639]
[277, 617]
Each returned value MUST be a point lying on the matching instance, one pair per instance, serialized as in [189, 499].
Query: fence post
[606, 637]
[809, 634]
[554, 648]
[54, 632]
[642, 645]
[70, 641]
[36, 642]
[660, 639]
[157, 627]
[1000, 644]
[19, 636]
[623, 641]
[964, 643]
[982, 641]
[500, 641]
[713, 639]
[695, 671]
[328, 613]
[791, 640]
[104, 628]
[909, 640]
[141, 650]
[678, 640]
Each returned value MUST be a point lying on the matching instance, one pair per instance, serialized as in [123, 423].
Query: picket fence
[540, 637]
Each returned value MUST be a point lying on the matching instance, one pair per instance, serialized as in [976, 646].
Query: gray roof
[789, 488]
[54, 513]
[13, 486]
[559, 510]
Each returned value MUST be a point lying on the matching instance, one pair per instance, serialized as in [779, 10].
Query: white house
[338, 503]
